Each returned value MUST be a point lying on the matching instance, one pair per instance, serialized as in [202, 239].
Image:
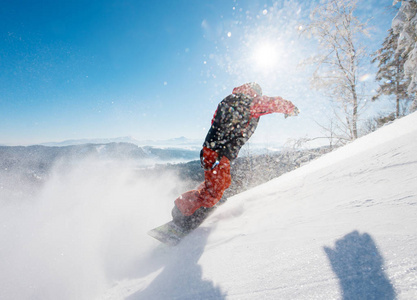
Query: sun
[265, 56]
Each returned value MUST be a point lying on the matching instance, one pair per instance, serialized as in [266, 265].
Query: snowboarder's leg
[216, 182]
[209, 192]
[192, 207]
[189, 223]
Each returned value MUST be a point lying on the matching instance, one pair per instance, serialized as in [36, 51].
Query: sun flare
[265, 56]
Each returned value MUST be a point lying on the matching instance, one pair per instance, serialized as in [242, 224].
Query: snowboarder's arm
[267, 105]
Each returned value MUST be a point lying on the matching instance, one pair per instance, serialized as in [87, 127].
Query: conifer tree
[390, 73]
[405, 25]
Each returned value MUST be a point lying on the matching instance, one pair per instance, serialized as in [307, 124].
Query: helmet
[252, 89]
[256, 87]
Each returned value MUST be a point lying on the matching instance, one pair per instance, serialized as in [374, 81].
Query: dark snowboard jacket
[237, 117]
[231, 127]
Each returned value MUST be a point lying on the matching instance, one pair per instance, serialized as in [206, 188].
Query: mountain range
[175, 142]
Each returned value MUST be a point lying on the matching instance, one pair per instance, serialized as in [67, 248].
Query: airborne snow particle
[365, 77]
[265, 11]
[229, 34]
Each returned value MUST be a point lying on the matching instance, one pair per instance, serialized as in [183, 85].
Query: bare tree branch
[338, 33]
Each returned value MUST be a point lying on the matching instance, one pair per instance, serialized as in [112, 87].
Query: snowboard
[172, 233]
[169, 233]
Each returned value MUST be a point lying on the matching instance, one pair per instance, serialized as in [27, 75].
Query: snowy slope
[343, 225]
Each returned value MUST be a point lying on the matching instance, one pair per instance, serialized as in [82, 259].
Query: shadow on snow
[181, 277]
[360, 267]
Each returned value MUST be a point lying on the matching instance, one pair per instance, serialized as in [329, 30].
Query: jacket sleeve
[267, 105]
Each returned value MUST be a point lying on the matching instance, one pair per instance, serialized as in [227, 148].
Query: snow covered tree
[340, 36]
[405, 25]
[391, 73]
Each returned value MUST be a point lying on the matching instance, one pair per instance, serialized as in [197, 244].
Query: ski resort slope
[343, 226]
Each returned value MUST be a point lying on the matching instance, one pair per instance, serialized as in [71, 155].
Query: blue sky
[151, 69]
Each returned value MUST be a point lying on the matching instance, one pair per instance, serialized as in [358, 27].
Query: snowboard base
[169, 234]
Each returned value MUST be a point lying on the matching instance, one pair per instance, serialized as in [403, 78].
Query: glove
[294, 113]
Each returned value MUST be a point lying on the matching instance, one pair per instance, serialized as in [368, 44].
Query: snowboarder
[233, 123]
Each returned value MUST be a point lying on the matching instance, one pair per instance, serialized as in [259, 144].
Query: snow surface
[343, 226]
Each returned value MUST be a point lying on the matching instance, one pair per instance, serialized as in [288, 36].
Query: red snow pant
[208, 193]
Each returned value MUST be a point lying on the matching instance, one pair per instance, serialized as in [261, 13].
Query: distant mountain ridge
[175, 142]
[112, 150]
